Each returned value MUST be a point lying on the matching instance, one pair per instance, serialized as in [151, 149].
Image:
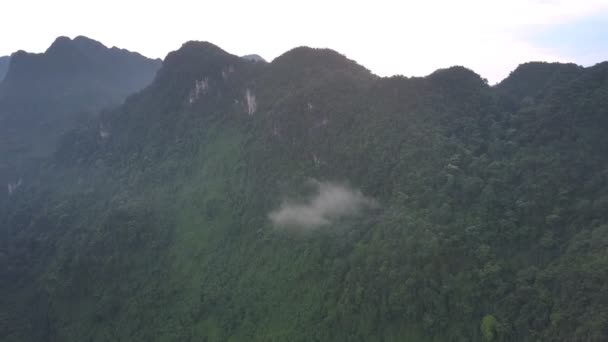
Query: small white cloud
[329, 202]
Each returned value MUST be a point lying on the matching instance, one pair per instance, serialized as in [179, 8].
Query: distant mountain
[44, 95]
[70, 69]
[254, 58]
[4, 62]
[307, 199]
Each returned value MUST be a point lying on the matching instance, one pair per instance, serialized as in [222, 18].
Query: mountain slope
[477, 220]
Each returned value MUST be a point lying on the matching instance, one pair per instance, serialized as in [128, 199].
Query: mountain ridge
[80, 57]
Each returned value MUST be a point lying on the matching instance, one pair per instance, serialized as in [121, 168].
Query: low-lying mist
[328, 203]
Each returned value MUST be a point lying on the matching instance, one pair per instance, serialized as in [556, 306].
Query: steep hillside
[309, 200]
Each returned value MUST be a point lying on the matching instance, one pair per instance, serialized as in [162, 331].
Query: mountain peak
[458, 78]
[254, 58]
[194, 52]
[455, 72]
[305, 55]
[318, 61]
[68, 62]
[533, 78]
[81, 42]
[198, 47]
[193, 56]
[61, 40]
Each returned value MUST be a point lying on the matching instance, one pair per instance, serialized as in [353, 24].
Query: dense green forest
[456, 211]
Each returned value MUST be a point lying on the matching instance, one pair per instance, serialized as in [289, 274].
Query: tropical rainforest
[307, 199]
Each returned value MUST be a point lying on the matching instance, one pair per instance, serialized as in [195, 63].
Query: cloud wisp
[329, 202]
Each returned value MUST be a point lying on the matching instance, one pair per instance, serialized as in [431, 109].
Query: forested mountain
[307, 199]
[44, 95]
[4, 61]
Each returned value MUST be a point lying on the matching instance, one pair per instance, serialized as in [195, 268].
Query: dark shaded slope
[45, 95]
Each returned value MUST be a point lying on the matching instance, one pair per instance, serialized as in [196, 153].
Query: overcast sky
[411, 38]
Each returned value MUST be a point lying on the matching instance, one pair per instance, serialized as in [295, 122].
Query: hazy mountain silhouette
[44, 95]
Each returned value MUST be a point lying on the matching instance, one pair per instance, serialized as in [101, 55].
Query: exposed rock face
[200, 88]
[12, 187]
[251, 102]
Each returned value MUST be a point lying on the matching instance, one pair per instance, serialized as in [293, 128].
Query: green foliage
[489, 326]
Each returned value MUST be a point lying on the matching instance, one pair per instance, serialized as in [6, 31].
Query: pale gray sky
[412, 38]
